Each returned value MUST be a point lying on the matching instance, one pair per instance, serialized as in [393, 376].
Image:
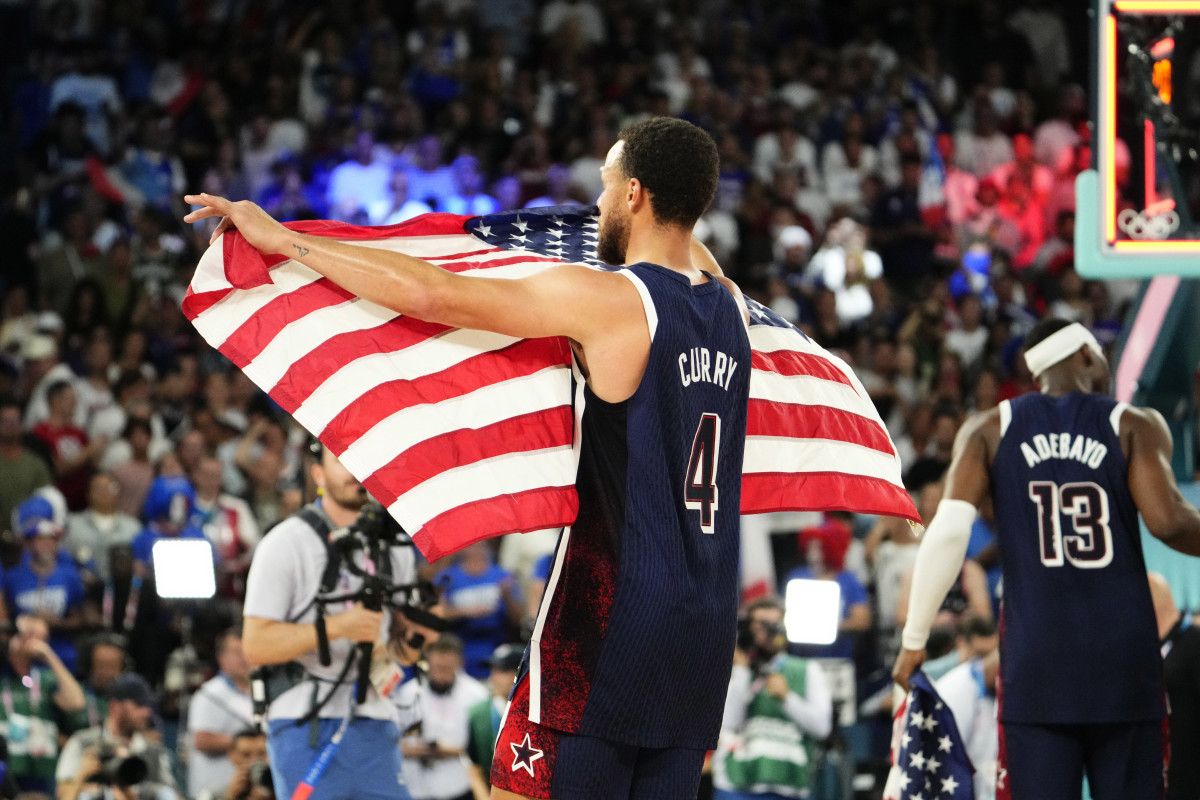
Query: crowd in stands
[896, 178]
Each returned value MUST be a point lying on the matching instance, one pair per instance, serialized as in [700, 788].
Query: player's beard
[613, 240]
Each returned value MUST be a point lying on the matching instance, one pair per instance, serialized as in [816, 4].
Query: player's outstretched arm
[944, 545]
[1168, 516]
[569, 301]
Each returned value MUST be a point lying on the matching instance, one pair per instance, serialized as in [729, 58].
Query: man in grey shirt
[281, 626]
[93, 531]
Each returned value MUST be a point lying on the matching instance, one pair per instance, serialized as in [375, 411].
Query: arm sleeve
[939, 561]
[737, 699]
[814, 711]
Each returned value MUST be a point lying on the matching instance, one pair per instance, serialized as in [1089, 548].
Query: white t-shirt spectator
[444, 719]
[217, 707]
[974, 708]
[354, 186]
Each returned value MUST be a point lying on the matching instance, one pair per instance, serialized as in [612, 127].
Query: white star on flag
[949, 785]
[933, 764]
[929, 723]
[917, 719]
[944, 744]
[916, 760]
[484, 230]
[521, 225]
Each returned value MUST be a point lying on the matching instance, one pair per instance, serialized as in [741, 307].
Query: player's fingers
[202, 213]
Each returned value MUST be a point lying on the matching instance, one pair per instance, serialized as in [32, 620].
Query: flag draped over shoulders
[466, 434]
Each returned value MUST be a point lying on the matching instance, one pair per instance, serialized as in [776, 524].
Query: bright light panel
[812, 610]
[183, 569]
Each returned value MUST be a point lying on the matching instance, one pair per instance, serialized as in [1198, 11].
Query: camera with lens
[119, 770]
[259, 776]
[747, 641]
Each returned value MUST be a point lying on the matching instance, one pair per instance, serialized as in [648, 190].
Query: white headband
[1060, 345]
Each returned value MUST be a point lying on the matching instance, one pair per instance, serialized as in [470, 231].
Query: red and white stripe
[461, 434]
[814, 441]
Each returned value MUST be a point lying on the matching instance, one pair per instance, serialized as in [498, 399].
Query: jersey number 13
[1088, 544]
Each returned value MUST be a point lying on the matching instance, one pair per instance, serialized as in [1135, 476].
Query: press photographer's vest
[771, 753]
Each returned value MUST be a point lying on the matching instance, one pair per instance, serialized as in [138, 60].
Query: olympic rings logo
[1140, 225]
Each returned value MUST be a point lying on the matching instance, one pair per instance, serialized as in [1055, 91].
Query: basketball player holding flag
[644, 583]
[1068, 470]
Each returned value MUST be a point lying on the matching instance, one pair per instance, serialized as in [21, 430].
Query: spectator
[24, 470]
[430, 181]
[469, 197]
[959, 186]
[845, 162]
[484, 717]
[75, 456]
[45, 583]
[85, 85]
[968, 339]
[778, 710]
[218, 711]
[898, 227]
[34, 685]
[360, 182]
[847, 268]
[102, 660]
[1181, 660]
[92, 532]
[931, 466]
[168, 516]
[482, 603]
[399, 207]
[970, 692]
[435, 764]
[984, 147]
[823, 549]
[135, 473]
[227, 522]
[130, 710]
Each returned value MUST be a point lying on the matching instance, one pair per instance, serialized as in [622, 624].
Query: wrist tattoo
[303, 251]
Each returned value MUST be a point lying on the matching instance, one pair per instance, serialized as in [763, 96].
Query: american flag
[465, 434]
[929, 761]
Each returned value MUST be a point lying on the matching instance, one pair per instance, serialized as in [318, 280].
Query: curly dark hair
[676, 162]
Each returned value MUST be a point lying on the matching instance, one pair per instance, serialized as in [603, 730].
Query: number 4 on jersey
[700, 485]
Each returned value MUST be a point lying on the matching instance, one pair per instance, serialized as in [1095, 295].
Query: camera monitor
[183, 569]
[812, 609]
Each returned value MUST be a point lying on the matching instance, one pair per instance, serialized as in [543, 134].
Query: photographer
[251, 772]
[130, 708]
[310, 702]
[777, 711]
[113, 773]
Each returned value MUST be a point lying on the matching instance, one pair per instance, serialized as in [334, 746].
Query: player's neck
[1062, 385]
[668, 247]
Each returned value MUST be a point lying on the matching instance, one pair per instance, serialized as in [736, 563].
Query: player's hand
[359, 624]
[777, 686]
[906, 664]
[260, 228]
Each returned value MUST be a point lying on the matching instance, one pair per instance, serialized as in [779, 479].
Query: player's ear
[635, 195]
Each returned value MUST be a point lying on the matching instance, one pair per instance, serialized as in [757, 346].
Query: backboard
[1137, 210]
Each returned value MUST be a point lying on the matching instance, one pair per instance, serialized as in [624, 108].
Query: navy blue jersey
[1079, 639]
[634, 640]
